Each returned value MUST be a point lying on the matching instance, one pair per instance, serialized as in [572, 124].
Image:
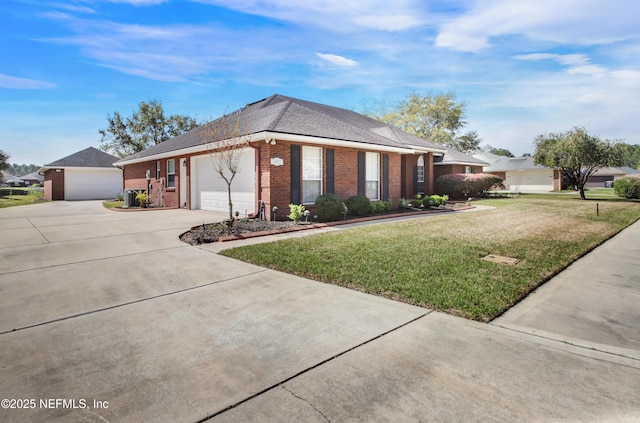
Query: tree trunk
[230, 203]
[581, 190]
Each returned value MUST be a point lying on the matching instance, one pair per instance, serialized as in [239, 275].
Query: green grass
[435, 261]
[113, 203]
[20, 200]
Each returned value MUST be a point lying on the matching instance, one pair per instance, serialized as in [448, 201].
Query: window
[468, 169]
[372, 176]
[311, 174]
[171, 173]
[158, 169]
[420, 175]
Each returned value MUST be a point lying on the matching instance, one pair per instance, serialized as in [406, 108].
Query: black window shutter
[330, 171]
[361, 174]
[295, 174]
[385, 177]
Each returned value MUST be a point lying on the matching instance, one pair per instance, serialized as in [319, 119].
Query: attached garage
[209, 190]
[86, 175]
[530, 180]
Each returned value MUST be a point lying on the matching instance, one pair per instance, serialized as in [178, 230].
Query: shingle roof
[286, 115]
[505, 164]
[452, 156]
[89, 157]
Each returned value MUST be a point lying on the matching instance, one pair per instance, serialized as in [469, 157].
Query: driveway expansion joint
[566, 341]
[141, 300]
[308, 369]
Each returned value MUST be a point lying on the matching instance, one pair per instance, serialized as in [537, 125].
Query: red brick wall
[135, 177]
[54, 185]
[274, 182]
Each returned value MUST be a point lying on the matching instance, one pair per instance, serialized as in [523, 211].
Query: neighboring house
[605, 176]
[298, 150]
[86, 175]
[33, 178]
[23, 181]
[453, 161]
[521, 174]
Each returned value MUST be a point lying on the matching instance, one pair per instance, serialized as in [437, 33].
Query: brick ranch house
[297, 151]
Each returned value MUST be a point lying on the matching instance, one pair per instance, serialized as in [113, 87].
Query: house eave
[43, 169]
[421, 149]
[268, 135]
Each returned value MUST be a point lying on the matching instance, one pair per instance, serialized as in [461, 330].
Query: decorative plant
[416, 201]
[142, 197]
[296, 212]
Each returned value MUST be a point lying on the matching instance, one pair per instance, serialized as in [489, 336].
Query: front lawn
[10, 197]
[435, 261]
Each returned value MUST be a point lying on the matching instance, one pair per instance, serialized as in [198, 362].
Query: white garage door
[209, 190]
[92, 183]
[530, 181]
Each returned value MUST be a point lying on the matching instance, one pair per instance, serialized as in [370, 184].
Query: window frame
[171, 182]
[368, 173]
[305, 177]
[158, 169]
[420, 175]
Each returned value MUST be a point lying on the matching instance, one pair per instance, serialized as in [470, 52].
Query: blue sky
[524, 68]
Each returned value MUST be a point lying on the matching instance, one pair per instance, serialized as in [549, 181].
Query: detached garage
[86, 175]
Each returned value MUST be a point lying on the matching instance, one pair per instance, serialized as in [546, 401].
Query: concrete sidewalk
[594, 303]
[111, 309]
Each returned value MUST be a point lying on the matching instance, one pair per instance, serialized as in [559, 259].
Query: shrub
[329, 207]
[462, 185]
[416, 201]
[358, 206]
[296, 212]
[627, 187]
[403, 204]
[434, 200]
[386, 205]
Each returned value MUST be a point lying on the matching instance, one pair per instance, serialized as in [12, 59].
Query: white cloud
[337, 60]
[336, 15]
[580, 22]
[577, 63]
[16, 83]
[140, 2]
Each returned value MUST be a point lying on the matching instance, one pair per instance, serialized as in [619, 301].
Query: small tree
[226, 140]
[576, 154]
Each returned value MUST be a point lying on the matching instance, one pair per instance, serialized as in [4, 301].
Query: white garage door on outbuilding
[209, 190]
[92, 183]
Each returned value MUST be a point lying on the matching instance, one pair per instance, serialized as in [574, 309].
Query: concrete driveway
[108, 317]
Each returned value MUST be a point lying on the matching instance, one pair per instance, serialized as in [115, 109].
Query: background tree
[226, 138]
[630, 155]
[22, 169]
[4, 160]
[147, 126]
[435, 117]
[498, 151]
[576, 154]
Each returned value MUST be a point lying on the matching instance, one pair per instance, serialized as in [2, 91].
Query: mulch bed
[251, 228]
